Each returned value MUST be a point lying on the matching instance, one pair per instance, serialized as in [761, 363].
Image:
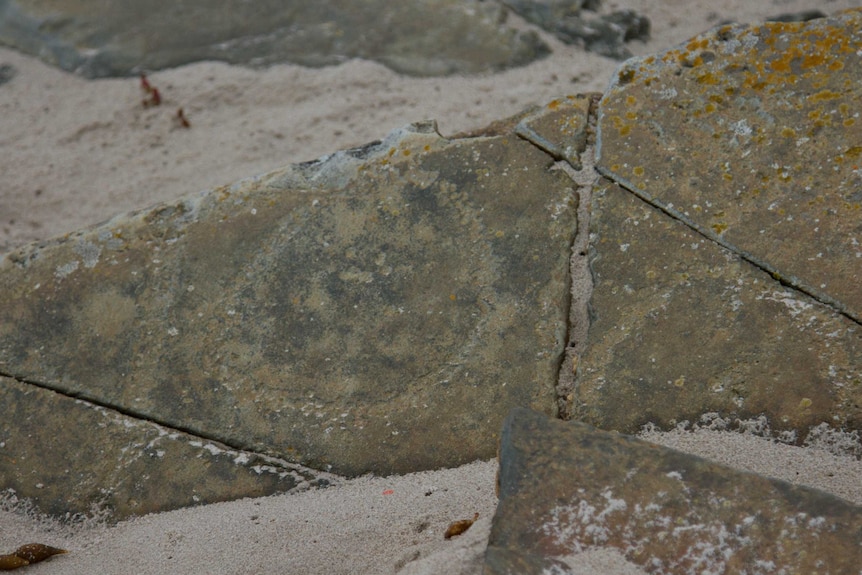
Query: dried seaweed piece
[35, 552]
[9, 562]
[458, 527]
[27, 554]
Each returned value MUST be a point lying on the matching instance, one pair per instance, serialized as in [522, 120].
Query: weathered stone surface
[560, 128]
[604, 34]
[750, 134]
[418, 37]
[69, 456]
[378, 310]
[698, 304]
[681, 326]
[566, 488]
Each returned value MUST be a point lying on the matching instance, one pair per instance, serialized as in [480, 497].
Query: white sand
[75, 152]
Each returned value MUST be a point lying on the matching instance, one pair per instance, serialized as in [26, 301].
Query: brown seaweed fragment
[458, 527]
[9, 562]
[27, 554]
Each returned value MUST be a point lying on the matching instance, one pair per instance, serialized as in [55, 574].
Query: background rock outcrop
[420, 38]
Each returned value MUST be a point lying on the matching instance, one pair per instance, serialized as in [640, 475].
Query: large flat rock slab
[723, 234]
[70, 457]
[379, 310]
[417, 37]
[751, 134]
[567, 488]
[681, 326]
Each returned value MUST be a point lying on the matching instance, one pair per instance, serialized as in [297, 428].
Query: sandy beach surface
[74, 152]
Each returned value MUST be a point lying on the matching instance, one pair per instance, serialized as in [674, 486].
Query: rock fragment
[71, 458]
[604, 34]
[567, 489]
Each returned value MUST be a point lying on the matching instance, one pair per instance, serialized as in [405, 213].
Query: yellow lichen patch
[626, 76]
[406, 152]
[553, 104]
[719, 227]
[805, 403]
[638, 171]
[824, 95]
[788, 132]
[708, 78]
[697, 44]
[622, 127]
[631, 100]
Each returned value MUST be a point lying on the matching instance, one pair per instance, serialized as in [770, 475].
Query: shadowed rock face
[566, 488]
[423, 38]
[378, 310]
[725, 233]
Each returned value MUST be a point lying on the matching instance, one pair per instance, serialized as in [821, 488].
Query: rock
[725, 253]
[681, 326]
[69, 456]
[566, 488]
[604, 34]
[801, 16]
[379, 310]
[759, 122]
[417, 37]
[7, 72]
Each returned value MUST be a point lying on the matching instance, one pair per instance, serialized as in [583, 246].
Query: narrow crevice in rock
[580, 287]
[789, 281]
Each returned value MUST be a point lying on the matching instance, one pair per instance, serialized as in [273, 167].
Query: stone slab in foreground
[379, 310]
[566, 488]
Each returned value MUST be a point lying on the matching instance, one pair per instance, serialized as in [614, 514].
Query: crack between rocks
[191, 433]
[580, 280]
[789, 281]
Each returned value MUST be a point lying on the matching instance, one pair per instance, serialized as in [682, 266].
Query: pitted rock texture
[724, 235]
[379, 310]
[566, 488]
[68, 456]
[751, 135]
[417, 37]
